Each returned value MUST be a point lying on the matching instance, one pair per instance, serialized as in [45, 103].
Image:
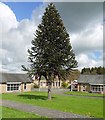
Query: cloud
[16, 37]
[78, 15]
[83, 22]
[16, 42]
[7, 18]
[85, 61]
[38, 13]
[88, 40]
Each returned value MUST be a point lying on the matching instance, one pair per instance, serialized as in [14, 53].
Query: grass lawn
[83, 93]
[92, 107]
[13, 113]
[0, 96]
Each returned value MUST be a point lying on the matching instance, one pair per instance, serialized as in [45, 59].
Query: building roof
[13, 77]
[92, 79]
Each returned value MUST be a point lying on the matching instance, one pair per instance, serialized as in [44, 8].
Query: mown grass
[0, 96]
[92, 107]
[13, 113]
[84, 93]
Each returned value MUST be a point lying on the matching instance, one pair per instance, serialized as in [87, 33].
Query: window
[97, 88]
[24, 86]
[84, 87]
[56, 84]
[12, 87]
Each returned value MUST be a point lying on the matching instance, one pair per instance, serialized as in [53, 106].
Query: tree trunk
[49, 90]
[39, 84]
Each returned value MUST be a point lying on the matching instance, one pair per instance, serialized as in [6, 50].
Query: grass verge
[13, 113]
[84, 94]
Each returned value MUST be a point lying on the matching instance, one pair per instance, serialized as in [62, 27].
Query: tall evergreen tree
[51, 52]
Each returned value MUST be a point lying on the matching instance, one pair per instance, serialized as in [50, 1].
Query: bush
[64, 84]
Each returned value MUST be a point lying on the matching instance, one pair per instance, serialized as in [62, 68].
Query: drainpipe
[90, 88]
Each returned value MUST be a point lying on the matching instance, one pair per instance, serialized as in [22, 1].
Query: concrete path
[62, 92]
[39, 110]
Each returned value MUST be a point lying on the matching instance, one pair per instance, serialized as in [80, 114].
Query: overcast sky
[83, 21]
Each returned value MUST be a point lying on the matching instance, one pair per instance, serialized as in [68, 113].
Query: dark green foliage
[100, 70]
[93, 71]
[51, 53]
[82, 71]
[85, 71]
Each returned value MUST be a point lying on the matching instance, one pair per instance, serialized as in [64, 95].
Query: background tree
[51, 53]
[104, 70]
[93, 71]
[73, 75]
[100, 70]
[83, 71]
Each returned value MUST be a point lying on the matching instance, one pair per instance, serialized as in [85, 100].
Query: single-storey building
[91, 83]
[12, 82]
[44, 84]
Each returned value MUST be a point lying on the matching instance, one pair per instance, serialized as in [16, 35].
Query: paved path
[39, 110]
[62, 92]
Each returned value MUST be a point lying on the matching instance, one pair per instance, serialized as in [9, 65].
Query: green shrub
[64, 84]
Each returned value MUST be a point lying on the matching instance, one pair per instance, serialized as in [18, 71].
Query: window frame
[97, 88]
[13, 87]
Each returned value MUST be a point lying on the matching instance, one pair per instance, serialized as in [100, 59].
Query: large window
[12, 87]
[97, 88]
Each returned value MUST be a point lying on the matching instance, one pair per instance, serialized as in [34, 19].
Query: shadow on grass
[37, 97]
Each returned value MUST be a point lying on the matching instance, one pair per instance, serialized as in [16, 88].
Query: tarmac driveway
[39, 110]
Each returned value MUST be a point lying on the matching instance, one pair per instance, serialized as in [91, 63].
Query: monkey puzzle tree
[51, 53]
